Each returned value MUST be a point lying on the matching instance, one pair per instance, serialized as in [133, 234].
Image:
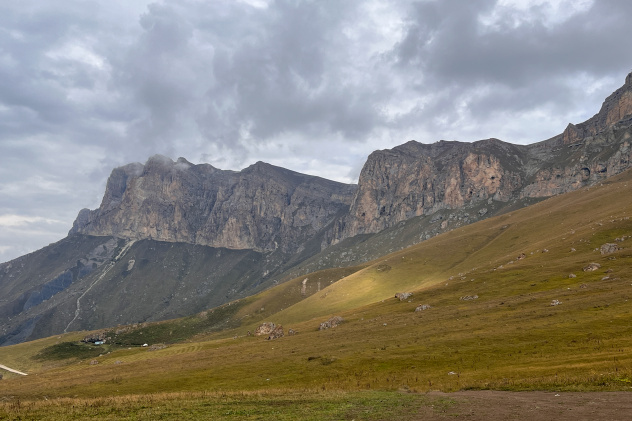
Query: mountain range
[171, 239]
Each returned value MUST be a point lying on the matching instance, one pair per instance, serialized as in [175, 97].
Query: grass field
[533, 326]
[303, 405]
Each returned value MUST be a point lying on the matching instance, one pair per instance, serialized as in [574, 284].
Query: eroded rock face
[267, 208]
[262, 207]
[616, 107]
[331, 323]
[416, 179]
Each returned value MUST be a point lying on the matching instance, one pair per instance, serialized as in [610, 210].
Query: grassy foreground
[510, 308]
[306, 405]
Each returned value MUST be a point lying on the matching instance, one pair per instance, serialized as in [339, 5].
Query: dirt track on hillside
[4, 367]
[497, 406]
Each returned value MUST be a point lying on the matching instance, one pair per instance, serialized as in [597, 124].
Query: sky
[313, 86]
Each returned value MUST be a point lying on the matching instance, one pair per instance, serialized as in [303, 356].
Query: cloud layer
[314, 86]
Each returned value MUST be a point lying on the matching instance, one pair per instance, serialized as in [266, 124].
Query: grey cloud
[461, 51]
[509, 69]
[314, 85]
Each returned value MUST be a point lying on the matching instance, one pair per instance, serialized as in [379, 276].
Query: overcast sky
[314, 86]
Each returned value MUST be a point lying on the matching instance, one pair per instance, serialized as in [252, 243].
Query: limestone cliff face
[266, 208]
[418, 179]
[585, 153]
[262, 207]
[616, 107]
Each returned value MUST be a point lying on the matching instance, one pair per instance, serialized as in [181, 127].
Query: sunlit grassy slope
[510, 337]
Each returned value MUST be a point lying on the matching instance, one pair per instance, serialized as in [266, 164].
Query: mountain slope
[188, 237]
[504, 313]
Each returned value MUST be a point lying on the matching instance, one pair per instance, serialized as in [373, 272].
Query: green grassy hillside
[539, 321]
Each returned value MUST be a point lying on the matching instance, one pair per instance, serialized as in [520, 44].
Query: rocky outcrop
[262, 207]
[609, 248]
[403, 296]
[266, 208]
[615, 108]
[331, 323]
[417, 179]
[265, 328]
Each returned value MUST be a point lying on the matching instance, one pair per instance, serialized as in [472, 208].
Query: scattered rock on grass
[276, 333]
[423, 307]
[469, 297]
[265, 329]
[572, 275]
[608, 248]
[592, 267]
[94, 362]
[555, 303]
[331, 323]
[403, 295]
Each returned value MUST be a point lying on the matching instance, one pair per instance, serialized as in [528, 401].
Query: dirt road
[562, 406]
[4, 367]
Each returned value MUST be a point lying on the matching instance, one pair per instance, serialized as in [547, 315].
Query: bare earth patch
[493, 405]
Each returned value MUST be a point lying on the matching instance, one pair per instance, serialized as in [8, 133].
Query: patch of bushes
[66, 350]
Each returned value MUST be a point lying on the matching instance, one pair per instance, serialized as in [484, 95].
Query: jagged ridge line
[110, 265]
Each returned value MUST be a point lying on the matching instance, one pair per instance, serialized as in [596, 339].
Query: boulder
[592, 267]
[422, 307]
[265, 328]
[331, 323]
[609, 248]
[403, 295]
[276, 333]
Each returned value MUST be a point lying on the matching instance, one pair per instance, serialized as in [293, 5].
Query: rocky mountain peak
[262, 207]
[615, 108]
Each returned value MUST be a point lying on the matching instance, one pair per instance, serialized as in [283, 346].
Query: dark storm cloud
[87, 85]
